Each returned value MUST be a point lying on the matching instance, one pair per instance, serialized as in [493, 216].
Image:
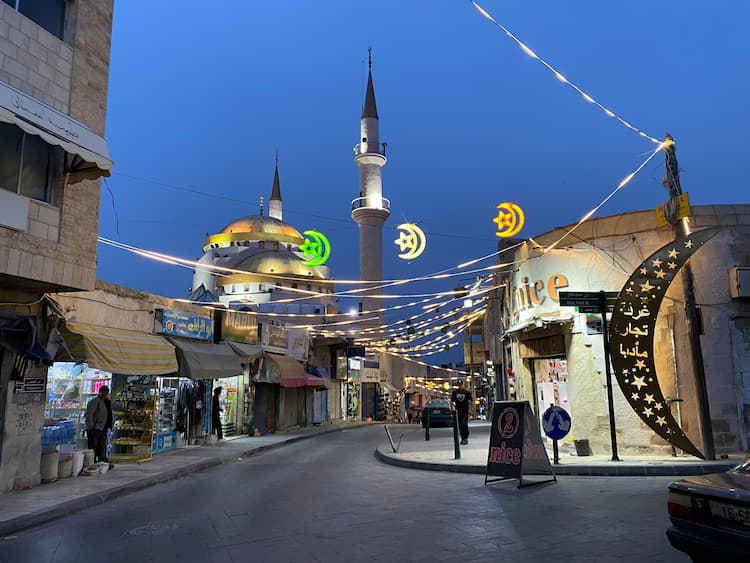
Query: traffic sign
[556, 422]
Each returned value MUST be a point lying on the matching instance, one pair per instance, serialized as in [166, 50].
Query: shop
[127, 362]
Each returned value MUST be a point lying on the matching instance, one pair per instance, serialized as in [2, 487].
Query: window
[49, 14]
[29, 166]
[594, 324]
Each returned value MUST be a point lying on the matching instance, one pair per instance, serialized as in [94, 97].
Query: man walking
[461, 401]
[98, 419]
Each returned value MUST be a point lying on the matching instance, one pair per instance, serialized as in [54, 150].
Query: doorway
[741, 349]
[550, 384]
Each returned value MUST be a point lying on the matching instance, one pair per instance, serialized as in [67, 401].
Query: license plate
[730, 512]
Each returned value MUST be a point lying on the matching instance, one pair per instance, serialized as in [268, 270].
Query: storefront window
[70, 387]
[231, 403]
[29, 166]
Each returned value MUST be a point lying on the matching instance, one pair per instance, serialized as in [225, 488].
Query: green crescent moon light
[316, 249]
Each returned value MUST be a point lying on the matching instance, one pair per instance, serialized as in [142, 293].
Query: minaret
[370, 210]
[274, 204]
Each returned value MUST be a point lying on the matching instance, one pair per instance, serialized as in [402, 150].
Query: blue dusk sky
[202, 94]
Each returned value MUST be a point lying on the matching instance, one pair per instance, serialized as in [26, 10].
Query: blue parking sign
[556, 422]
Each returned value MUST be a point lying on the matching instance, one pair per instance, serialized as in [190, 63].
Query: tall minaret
[370, 210]
[274, 204]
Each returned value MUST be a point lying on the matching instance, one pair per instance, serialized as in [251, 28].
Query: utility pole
[671, 181]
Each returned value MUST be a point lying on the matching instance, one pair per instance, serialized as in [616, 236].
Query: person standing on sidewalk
[98, 421]
[461, 401]
[216, 413]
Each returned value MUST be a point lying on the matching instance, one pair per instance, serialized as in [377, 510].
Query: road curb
[615, 470]
[87, 501]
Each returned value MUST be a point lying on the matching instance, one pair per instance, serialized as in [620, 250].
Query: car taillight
[679, 505]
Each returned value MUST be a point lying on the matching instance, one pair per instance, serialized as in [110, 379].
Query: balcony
[370, 148]
[371, 203]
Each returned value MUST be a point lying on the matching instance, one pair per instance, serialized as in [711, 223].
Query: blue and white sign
[556, 422]
[177, 323]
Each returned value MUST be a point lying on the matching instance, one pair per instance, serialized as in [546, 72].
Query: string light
[621, 185]
[588, 98]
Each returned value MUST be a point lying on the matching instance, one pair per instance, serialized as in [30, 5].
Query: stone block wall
[59, 246]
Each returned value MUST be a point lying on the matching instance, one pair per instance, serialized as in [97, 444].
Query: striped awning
[291, 373]
[116, 351]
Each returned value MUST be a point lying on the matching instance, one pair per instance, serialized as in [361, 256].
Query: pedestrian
[409, 415]
[461, 400]
[216, 413]
[98, 421]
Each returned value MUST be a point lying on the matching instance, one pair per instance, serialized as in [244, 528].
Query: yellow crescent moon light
[509, 220]
[412, 240]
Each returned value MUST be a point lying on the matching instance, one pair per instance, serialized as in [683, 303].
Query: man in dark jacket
[461, 400]
[98, 421]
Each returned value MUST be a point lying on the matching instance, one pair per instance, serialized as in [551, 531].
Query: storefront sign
[299, 343]
[239, 327]
[177, 323]
[371, 369]
[274, 338]
[30, 385]
[164, 441]
[516, 448]
[535, 293]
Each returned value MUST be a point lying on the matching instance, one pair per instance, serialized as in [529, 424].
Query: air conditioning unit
[739, 283]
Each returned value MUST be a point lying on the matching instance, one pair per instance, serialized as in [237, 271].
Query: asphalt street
[328, 499]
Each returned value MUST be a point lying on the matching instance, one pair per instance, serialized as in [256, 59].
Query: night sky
[202, 96]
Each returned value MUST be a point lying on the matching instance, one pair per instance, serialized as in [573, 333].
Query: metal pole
[555, 453]
[610, 400]
[672, 182]
[456, 446]
[426, 419]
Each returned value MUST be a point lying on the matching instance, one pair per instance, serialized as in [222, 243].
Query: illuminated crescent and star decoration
[410, 239]
[316, 249]
[509, 220]
[631, 335]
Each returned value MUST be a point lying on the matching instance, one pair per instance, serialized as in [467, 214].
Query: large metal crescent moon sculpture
[631, 335]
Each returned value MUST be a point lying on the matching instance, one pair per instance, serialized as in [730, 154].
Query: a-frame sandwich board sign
[516, 448]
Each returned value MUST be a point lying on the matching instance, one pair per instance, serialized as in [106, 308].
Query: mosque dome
[255, 228]
[274, 263]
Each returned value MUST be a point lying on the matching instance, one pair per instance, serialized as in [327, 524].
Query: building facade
[550, 354]
[54, 72]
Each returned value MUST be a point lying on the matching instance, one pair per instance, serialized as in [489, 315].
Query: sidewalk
[23, 509]
[438, 455]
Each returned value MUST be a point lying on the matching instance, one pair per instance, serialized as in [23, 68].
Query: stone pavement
[23, 509]
[437, 454]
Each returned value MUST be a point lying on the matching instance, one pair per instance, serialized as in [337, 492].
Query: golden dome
[256, 227]
[273, 263]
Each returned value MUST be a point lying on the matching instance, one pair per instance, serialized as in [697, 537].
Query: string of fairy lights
[587, 97]
[435, 328]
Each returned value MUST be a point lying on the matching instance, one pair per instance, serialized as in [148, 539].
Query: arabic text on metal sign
[30, 385]
[177, 323]
[585, 298]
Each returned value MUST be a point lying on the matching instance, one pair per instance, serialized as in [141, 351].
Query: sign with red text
[516, 448]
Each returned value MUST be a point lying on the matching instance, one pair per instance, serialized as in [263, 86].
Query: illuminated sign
[509, 220]
[316, 249]
[410, 239]
[177, 323]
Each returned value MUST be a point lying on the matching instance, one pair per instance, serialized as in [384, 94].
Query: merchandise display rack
[134, 405]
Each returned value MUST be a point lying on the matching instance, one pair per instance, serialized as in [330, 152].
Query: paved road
[328, 499]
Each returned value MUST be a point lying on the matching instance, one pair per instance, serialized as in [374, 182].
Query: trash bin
[582, 447]
[49, 467]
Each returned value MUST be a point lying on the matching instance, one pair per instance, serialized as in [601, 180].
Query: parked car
[439, 413]
[710, 515]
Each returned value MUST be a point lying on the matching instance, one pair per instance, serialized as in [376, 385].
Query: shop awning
[89, 157]
[204, 360]
[315, 381]
[388, 386]
[115, 350]
[247, 353]
[291, 373]
[538, 322]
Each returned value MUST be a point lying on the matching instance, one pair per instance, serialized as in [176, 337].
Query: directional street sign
[587, 301]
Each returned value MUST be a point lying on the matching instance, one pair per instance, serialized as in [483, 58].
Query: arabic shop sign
[239, 326]
[177, 323]
[50, 119]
